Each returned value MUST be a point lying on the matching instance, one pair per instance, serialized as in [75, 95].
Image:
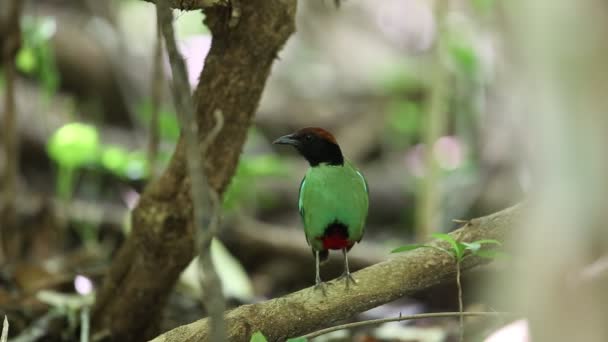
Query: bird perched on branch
[333, 197]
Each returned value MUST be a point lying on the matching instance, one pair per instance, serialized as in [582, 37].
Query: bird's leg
[318, 283]
[346, 275]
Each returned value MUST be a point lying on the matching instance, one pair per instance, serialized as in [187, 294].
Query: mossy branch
[305, 311]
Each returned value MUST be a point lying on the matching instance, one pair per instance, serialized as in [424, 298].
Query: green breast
[333, 193]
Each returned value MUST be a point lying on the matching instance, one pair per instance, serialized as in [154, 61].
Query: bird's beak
[287, 140]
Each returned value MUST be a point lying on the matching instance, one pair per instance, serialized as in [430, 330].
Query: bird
[333, 198]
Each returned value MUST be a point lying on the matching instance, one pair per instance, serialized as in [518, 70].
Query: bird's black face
[315, 144]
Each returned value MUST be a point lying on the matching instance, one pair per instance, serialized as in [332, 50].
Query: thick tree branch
[10, 42]
[305, 311]
[189, 5]
[161, 244]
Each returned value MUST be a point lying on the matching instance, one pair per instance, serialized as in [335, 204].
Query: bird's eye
[308, 137]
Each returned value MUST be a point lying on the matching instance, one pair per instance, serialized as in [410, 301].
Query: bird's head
[315, 144]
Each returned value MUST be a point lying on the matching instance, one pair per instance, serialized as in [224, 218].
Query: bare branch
[155, 102]
[306, 311]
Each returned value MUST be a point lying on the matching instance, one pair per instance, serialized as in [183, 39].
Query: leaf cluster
[458, 250]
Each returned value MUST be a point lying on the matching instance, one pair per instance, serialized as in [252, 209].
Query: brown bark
[161, 243]
[307, 310]
[10, 42]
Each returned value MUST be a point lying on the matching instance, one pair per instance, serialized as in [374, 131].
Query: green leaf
[74, 145]
[26, 60]
[115, 159]
[36, 56]
[408, 248]
[258, 337]
[457, 247]
[405, 117]
[465, 57]
[297, 339]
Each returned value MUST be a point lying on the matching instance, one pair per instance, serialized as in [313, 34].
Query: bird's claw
[348, 278]
[321, 286]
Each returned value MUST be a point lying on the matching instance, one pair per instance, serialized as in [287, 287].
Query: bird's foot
[348, 278]
[321, 286]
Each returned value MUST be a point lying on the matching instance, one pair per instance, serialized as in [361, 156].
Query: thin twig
[460, 306]
[399, 319]
[4, 336]
[155, 100]
[203, 200]
[85, 323]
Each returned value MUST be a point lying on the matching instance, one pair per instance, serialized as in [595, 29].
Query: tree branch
[156, 93]
[305, 311]
[205, 202]
[190, 5]
[160, 246]
[10, 42]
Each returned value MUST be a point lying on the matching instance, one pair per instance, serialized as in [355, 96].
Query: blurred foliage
[77, 145]
[36, 56]
[484, 6]
[250, 169]
[398, 78]
[404, 123]
[72, 146]
[233, 276]
[168, 126]
[460, 49]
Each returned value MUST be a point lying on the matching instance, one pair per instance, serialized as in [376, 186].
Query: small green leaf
[115, 159]
[26, 60]
[408, 248]
[465, 57]
[258, 337]
[297, 339]
[457, 247]
[74, 145]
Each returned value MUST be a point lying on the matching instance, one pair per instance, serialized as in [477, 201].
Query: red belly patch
[336, 237]
[335, 242]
